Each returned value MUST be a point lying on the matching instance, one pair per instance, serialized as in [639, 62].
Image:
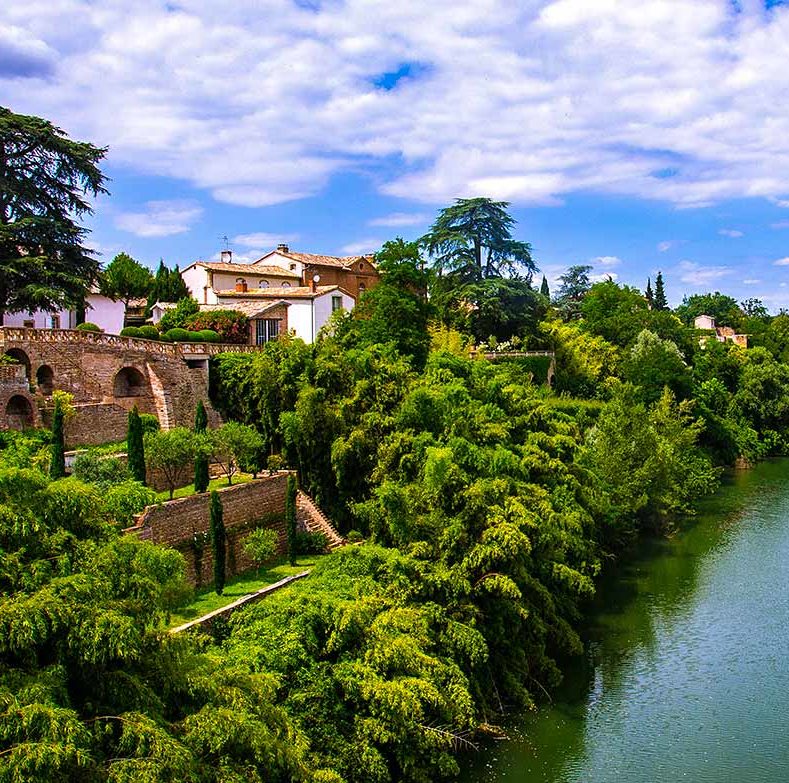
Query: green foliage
[46, 183]
[148, 332]
[575, 286]
[176, 335]
[124, 500]
[178, 316]
[261, 545]
[168, 286]
[231, 325]
[308, 543]
[232, 445]
[125, 279]
[171, 453]
[652, 364]
[659, 301]
[544, 288]
[87, 326]
[57, 466]
[217, 530]
[131, 331]
[209, 336]
[135, 447]
[201, 477]
[724, 309]
[105, 470]
[149, 423]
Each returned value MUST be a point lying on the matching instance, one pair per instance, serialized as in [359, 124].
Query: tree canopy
[124, 279]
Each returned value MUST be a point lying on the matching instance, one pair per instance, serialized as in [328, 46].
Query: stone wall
[259, 503]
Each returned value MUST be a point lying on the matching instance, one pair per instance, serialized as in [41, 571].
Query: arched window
[286, 284]
[21, 357]
[362, 288]
[361, 265]
[45, 378]
[130, 382]
[241, 284]
[263, 284]
[19, 413]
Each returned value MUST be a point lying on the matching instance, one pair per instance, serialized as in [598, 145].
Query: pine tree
[649, 295]
[201, 461]
[57, 466]
[660, 302]
[290, 518]
[217, 527]
[134, 447]
[544, 290]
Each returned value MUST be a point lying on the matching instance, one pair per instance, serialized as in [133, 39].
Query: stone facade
[18, 409]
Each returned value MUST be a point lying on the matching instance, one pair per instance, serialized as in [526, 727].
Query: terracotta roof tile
[259, 270]
[279, 292]
[320, 260]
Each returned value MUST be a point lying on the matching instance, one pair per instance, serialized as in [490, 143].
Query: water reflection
[685, 675]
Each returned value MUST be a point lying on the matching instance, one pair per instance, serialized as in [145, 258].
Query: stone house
[722, 334]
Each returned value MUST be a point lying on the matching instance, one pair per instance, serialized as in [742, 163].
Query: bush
[88, 327]
[261, 545]
[130, 331]
[230, 325]
[94, 468]
[275, 462]
[195, 337]
[179, 315]
[310, 543]
[354, 537]
[177, 335]
[149, 332]
[209, 336]
[123, 501]
[149, 423]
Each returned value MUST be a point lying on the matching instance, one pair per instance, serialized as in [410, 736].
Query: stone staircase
[315, 521]
[162, 399]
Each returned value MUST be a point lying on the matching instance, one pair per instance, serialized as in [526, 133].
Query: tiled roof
[249, 309]
[319, 260]
[258, 270]
[279, 292]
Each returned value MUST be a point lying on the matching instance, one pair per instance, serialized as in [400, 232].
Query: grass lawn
[206, 599]
[189, 489]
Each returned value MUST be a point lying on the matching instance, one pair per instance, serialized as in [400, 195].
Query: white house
[106, 313]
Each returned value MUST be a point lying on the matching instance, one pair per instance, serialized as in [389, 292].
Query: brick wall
[248, 506]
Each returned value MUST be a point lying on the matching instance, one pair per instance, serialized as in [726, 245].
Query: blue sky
[630, 136]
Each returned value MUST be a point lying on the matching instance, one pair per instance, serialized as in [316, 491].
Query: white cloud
[732, 233]
[401, 219]
[780, 224]
[160, 218]
[751, 281]
[783, 203]
[260, 103]
[362, 247]
[263, 239]
[698, 275]
[666, 245]
[606, 261]
[781, 262]
[603, 276]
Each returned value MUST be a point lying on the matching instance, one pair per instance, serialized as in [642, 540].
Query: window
[362, 288]
[266, 330]
[293, 267]
[361, 265]
[336, 303]
[263, 284]
[241, 284]
[29, 323]
[286, 285]
[56, 322]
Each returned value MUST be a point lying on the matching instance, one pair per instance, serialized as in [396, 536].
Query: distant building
[106, 313]
[158, 309]
[721, 333]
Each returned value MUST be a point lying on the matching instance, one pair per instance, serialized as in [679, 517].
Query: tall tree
[659, 302]
[544, 289]
[170, 453]
[473, 240]
[125, 279]
[46, 180]
[135, 449]
[650, 296]
[290, 518]
[57, 465]
[575, 285]
[201, 460]
[217, 529]
[168, 285]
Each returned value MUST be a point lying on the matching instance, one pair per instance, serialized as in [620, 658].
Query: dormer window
[293, 267]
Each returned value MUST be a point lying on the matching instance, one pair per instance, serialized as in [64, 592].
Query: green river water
[686, 676]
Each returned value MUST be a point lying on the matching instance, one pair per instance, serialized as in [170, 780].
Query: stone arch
[20, 356]
[45, 378]
[19, 413]
[130, 382]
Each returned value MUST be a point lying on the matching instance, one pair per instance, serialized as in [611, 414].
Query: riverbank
[684, 675]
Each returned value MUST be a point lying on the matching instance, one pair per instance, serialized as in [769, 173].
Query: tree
[473, 240]
[754, 308]
[177, 317]
[125, 279]
[232, 444]
[217, 530]
[615, 312]
[57, 467]
[135, 448]
[724, 309]
[653, 364]
[201, 460]
[650, 297]
[46, 180]
[261, 545]
[659, 301]
[290, 518]
[171, 452]
[575, 285]
[544, 289]
[168, 285]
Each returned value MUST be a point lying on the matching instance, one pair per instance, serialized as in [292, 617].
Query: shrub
[179, 315]
[57, 466]
[149, 332]
[195, 337]
[95, 468]
[261, 545]
[149, 423]
[355, 537]
[88, 327]
[177, 335]
[209, 336]
[130, 331]
[275, 462]
[124, 500]
[310, 543]
[230, 325]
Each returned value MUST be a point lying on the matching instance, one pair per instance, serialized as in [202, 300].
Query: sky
[631, 136]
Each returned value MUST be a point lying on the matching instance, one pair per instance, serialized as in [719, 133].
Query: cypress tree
[201, 461]
[134, 446]
[650, 297]
[660, 302]
[290, 518]
[217, 527]
[544, 290]
[57, 465]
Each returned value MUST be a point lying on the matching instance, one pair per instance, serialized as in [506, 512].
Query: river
[686, 673]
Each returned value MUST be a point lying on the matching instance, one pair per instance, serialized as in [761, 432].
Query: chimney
[283, 247]
[226, 256]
